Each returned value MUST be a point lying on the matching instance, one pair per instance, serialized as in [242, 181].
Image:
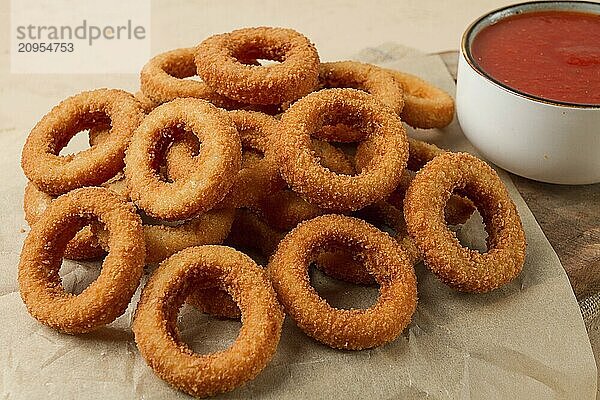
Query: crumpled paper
[526, 340]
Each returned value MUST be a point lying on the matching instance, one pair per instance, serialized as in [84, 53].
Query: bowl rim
[549, 5]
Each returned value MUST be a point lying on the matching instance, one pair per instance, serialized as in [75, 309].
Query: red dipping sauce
[554, 55]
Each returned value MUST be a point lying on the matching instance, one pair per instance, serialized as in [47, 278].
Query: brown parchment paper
[524, 341]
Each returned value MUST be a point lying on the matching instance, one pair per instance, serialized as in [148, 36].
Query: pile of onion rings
[185, 165]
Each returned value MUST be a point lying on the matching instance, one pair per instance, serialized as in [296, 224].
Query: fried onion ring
[165, 239]
[84, 246]
[420, 153]
[284, 209]
[259, 174]
[155, 322]
[218, 64]
[459, 267]
[382, 257]
[425, 106]
[385, 136]
[458, 209]
[108, 296]
[215, 168]
[340, 264]
[214, 301]
[56, 174]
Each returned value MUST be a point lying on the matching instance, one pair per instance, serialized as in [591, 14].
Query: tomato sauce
[550, 54]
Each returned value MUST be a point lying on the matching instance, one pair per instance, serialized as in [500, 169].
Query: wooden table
[568, 215]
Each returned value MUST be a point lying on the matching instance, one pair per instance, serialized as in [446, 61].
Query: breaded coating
[216, 166]
[322, 187]
[219, 62]
[353, 329]
[459, 267]
[109, 295]
[155, 321]
[55, 174]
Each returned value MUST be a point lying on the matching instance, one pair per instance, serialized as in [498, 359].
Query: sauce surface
[550, 54]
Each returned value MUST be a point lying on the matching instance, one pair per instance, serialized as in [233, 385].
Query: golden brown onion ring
[155, 322]
[458, 210]
[211, 227]
[214, 301]
[382, 257]
[83, 246]
[108, 296]
[55, 174]
[365, 77]
[459, 267]
[425, 106]
[386, 139]
[296, 74]
[215, 168]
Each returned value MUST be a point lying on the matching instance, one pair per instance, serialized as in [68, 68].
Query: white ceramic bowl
[545, 140]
